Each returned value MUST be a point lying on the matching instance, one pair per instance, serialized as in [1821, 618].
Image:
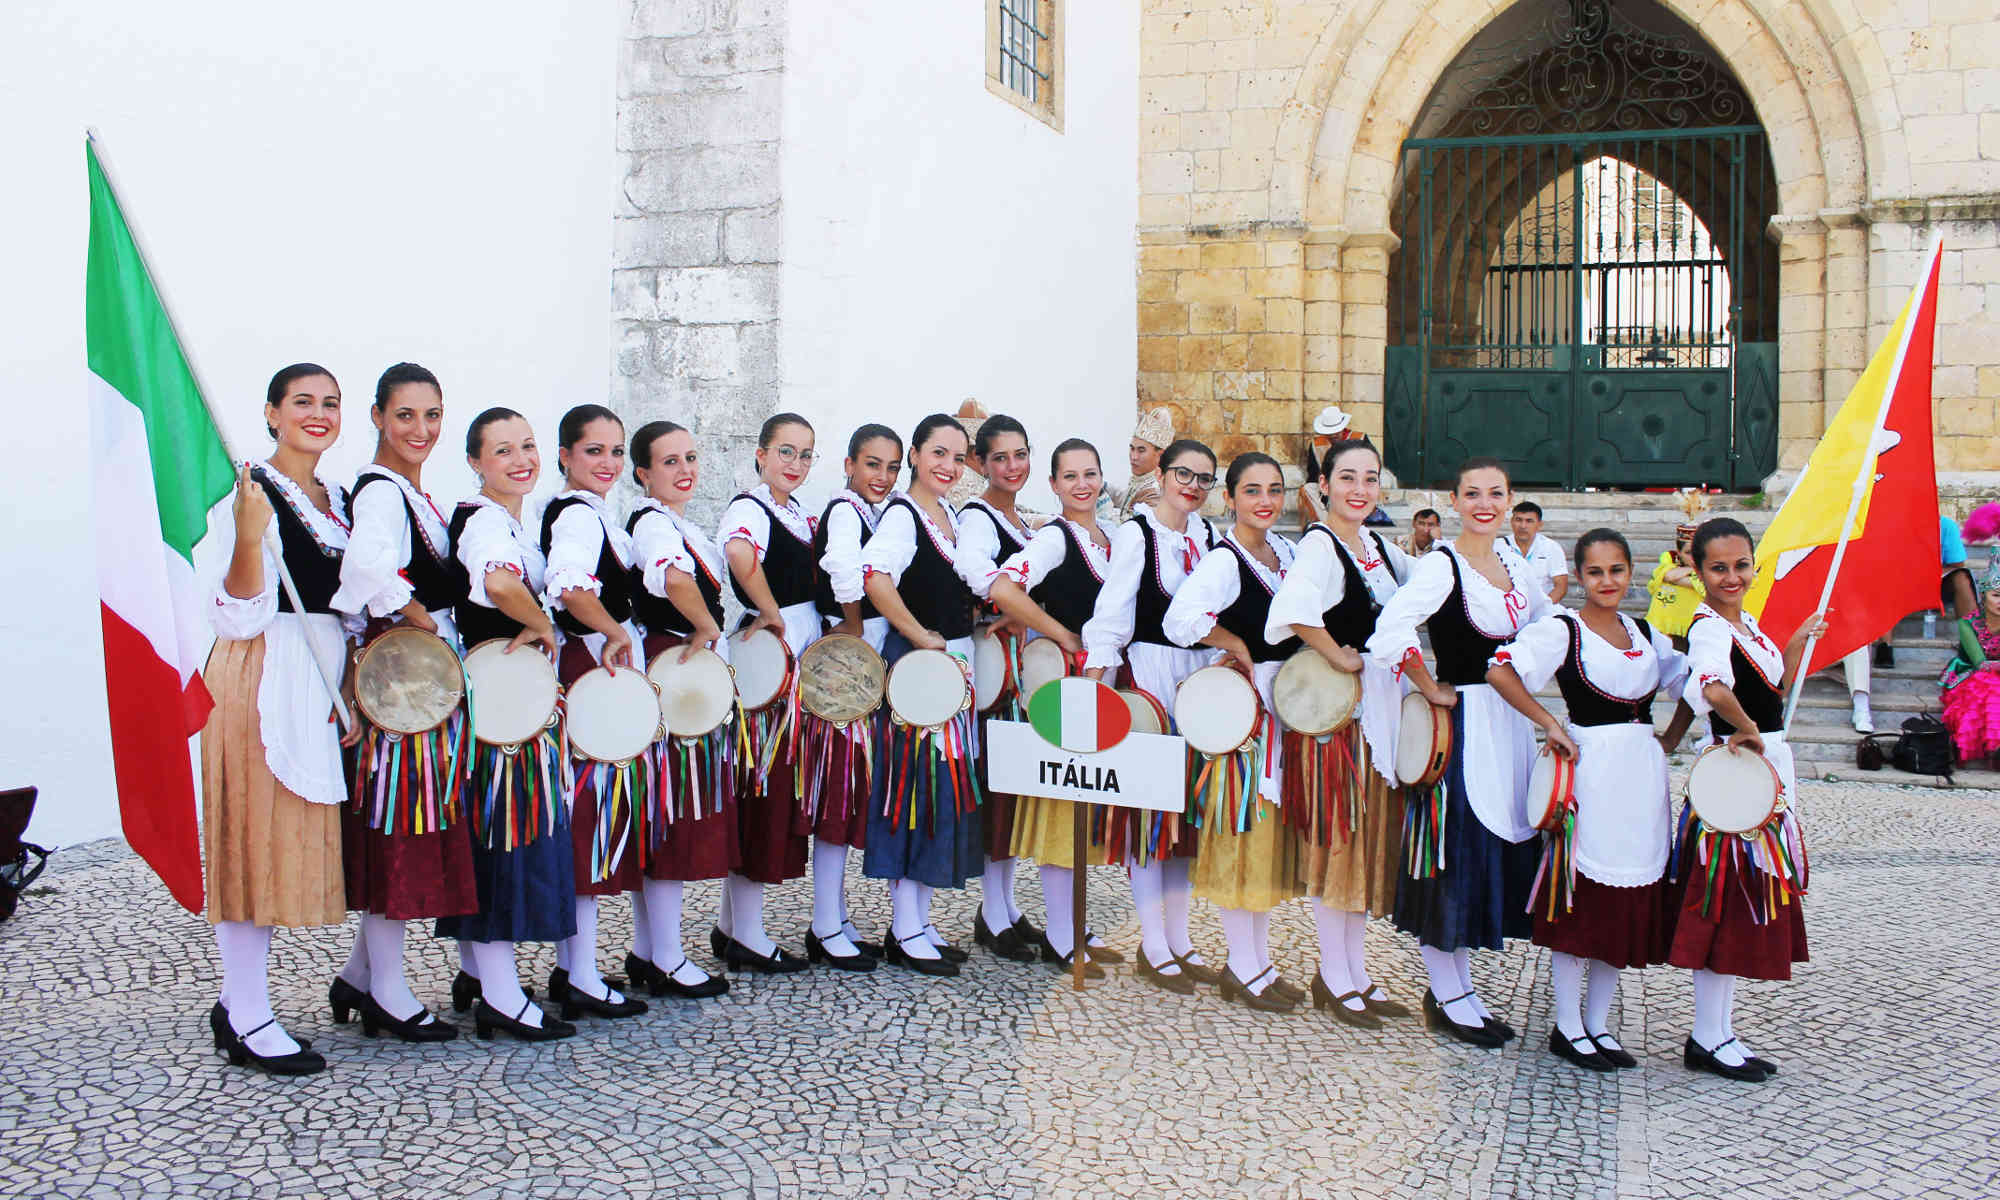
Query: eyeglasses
[788, 454]
[1185, 475]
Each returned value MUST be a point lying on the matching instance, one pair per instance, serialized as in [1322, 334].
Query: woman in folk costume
[1341, 793]
[1150, 557]
[1050, 589]
[1742, 912]
[768, 540]
[1971, 681]
[406, 850]
[924, 829]
[690, 819]
[1469, 854]
[991, 531]
[516, 799]
[589, 589]
[271, 777]
[839, 763]
[1601, 901]
[1249, 858]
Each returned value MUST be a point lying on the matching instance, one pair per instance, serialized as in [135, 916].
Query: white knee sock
[1463, 957]
[1357, 956]
[830, 898]
[1712, 993]
[499, 984]
[1566, 978]
[746, 915]
[1014, 913]
[246, 985]
[1729, 1018]
[725, 913]
[925, 894]
[1600, 988]
[906, 926]
[356, 970]
[1147, 881]
[642, 923]
[1058, 893]
[1176, 899]
[1334, 971]
[993, 893]
[385, 961]
[1448, 985]
[583, 974]
[1239, 932]
[468, 962]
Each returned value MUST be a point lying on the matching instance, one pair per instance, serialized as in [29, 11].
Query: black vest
[789, 565]
[1461, 649]
[1009, 544]
[1589, 706]
[437, 584]
[615, 584]
[1247, 616]
[822, 582]
[315, 568]
[657, 614]
[1150, 607]
[930, 587]
[476, 622]
[1351, 621]
[1762, 703]
[1069, 593]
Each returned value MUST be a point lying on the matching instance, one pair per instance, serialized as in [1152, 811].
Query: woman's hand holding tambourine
[1072, 645]
[1343, 658]
[617, 649]
[703, 639]
[546, 635]
[1560, 741]
[1746, 739]
[1441, 694]
[927, 640]
[773, 621]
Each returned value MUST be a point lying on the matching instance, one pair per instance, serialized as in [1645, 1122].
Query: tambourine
[763, 665]
[927, 688]
[614, 716]
[697, 697]
[408, 681]
[1423, 743]
[1148, 714]
[1734, 790]
[841, 679]
[1312, 696]
[992, 669]
[1041, 661]
[1217, 710]
[1551, 789]
[514, 695]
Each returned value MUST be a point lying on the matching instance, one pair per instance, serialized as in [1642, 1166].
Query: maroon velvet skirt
[769, 846]
[407, 877]
[838, 767]
[1729, 940]
[1623, 926]
[585, 811]
[686, 837]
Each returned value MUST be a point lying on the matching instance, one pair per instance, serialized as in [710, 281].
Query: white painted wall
[940, 243]
[353, 185]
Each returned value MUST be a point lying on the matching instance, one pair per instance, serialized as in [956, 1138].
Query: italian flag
[1080, 715]
[158, 467]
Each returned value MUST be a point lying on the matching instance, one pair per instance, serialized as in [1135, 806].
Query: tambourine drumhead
[696, 696]
[1147, 714]
[408, 681]
[763, 665]
[1313, 697]
[1423, 743]
[1733, 790]
[613, 715]
[513, 695]
[840, 678]
[1041, 661]
[1217, 710]
[927, 688]
[1551, 786]
[992, 680]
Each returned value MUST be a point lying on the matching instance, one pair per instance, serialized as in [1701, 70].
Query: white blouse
[493, 540]
[1317, 580]
[1539, 651]
[1109, 629]
[1046, 551]
[576, 543]
[1709, 639]
[849, 524]
[979, 545]
[894, 546]
[747, 520]
[372, 579]
[1495, 613]
[663, 538]
[1215, 584]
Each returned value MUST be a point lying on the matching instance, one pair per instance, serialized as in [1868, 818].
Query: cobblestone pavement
[1004, 1083]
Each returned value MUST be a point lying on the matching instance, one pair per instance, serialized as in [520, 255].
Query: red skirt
[839, 765]
[407, 877]
[1730, 941]
[770, 848]
[1623, 926]
[690, 826]
[625, 870]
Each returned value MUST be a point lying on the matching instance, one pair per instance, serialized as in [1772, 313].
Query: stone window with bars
[1024, 56]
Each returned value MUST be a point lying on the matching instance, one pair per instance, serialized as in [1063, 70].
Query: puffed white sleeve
[745, 520]
[1421, 595]
[1673, 664]
[1707, 661]
[1313, 583]
[842, 560]
[1043, 553]
[1204, 595]
[893, 547]
[372, 579]
[576, 542]
[1111, 622]
[978, 547]
[240, 618]
[1536, 652]
[657, 546]
[487, 545]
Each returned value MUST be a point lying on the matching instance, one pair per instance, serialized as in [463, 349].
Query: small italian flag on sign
[1081, 715]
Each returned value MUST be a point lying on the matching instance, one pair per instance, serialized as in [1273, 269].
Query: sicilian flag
[158, 466]
[1874, 462]
[1080, 715]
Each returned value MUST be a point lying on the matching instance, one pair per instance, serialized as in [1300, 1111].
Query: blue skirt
[924, 820]
[1480, 898]
[526, 893]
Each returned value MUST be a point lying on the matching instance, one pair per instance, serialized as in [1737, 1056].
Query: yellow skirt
[1257, 869]
[271, 857]
[1359, 874]
[1045, 829]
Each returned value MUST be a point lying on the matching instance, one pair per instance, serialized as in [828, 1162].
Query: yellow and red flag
[1873, 476]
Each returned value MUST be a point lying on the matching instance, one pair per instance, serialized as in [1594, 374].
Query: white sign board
[1146, 770]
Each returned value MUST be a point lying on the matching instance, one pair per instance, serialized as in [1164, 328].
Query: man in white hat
[1153, 434]
[1328, 427]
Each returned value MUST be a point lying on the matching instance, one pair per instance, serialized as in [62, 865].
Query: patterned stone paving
[1005, 1084]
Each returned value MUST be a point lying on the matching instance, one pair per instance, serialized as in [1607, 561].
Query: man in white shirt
[1544, 557]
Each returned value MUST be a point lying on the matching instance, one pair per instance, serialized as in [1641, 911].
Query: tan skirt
[1045, 830]
[1257, 869]
[271, 857]
[1359, 874]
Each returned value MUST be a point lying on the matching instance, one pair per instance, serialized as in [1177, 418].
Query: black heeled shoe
[465, 989]
[1065, 963]
[575, 1001]
[1238, 990]
[1764, 1064]
[1099, 952]
[644, 974]
[1198, 972]
[946, 950]
[1435, 1017]
[1030, 933]
[816, 951]
[710, 985]
[1383, 1006]
[486, 1019]
[343, 998]
[235, 1047]
[719, 943]
[1281, 986]
[779, 961]
[873, 950]
[896, 956]
[1180, 983]
[218, 1024]
[1323, 998]
[413, 1028]
[1696, 1057]
[1007, 944]
[1499, 1028]
[1616, 1055]
[1565, 1047]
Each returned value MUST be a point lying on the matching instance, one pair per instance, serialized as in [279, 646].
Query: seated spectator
[1423, 535]
[1675, 589]
[1972, 681]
